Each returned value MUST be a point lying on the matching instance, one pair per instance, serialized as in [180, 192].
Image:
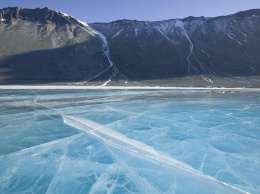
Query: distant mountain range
[43, 46]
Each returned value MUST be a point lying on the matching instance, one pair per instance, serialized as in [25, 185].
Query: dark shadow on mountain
[80, 62]
[206, 48]
[67, 64]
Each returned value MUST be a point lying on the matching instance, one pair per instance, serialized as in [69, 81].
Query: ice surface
[129, 141]
[139, 149]
[24, 123]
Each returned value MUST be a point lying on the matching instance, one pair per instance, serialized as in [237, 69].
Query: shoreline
[70, 87]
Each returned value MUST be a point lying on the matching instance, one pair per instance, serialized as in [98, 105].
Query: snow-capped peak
[83, 23]
[67, 15]
[64, 14]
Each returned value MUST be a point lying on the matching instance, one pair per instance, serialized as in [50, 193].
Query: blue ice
[129, 141]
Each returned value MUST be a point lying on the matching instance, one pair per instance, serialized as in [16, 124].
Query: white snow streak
[229, 35]
[136, 31]
[104, 84]
[64, 14]
[204, 52]
[68, 16]
[164, 35]
[243, 34]
[117, 33]
[206, 78]
[91, 32]
[106, 52]
[181, 25]
[83, 23]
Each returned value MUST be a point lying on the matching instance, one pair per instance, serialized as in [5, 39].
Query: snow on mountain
[220, 51]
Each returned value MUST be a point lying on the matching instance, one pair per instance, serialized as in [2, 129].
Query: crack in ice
[50, 143]
[135, 147]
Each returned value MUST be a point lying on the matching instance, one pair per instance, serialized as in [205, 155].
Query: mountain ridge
[8, 11]
[193, 51]
[243, 13]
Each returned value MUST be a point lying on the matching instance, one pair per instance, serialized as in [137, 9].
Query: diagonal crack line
[42, 145]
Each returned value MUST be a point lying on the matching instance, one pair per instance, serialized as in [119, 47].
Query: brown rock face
[10, 13]
[41, 15]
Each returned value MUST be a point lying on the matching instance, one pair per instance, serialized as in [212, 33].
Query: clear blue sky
[148, 10]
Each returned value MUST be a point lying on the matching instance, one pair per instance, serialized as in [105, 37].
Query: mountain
[43, 46]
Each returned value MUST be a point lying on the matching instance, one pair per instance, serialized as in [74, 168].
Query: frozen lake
[129, 141]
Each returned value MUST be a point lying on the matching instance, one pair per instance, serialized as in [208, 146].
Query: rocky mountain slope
[46, 46]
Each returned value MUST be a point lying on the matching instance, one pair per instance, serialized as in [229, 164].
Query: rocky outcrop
[41, 15]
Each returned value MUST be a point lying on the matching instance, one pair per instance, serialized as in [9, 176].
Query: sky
[145, 10]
